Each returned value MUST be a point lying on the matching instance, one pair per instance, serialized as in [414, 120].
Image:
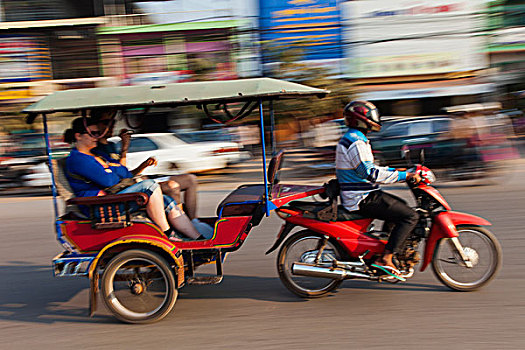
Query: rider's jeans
[391, 209]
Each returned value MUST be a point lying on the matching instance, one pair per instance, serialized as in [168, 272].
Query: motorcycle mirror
[405, 154]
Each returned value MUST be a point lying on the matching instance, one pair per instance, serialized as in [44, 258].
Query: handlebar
[412, 182]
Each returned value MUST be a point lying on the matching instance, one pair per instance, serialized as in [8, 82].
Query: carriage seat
[64, 190]
[247, 200]
[105, 211]
[310, 210]
[243, 201]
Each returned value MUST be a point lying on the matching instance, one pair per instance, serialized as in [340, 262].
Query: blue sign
[311, 25]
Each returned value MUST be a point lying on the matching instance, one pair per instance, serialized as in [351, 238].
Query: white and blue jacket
[356, 172]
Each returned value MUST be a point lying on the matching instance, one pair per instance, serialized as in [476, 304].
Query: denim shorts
[147, 187]
[170, 206]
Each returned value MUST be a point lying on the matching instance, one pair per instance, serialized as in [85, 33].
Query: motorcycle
[336, 245]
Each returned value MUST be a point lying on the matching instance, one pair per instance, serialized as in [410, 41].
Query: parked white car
[329, 133]
[38, 176]
[173, 155]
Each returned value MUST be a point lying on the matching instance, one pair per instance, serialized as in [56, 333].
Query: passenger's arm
[148, 162]
[125, 137]
[90, 169]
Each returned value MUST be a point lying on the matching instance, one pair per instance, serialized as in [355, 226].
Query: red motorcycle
[336, 244]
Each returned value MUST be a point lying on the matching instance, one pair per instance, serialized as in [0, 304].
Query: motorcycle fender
[285, 230]
[444, 226]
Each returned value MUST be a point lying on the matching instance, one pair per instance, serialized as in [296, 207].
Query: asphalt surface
[252, 309]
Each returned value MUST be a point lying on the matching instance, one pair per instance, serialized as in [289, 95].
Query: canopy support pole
[272, 130]
[263, 146]
[48, 152]
[53, 184]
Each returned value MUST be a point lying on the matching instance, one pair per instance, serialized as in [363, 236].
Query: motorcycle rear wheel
[302, 247]
[484, 251]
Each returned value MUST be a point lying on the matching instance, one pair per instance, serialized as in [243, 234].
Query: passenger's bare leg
[188, 184]
[155, 210]
[182, 223]
[172, 189]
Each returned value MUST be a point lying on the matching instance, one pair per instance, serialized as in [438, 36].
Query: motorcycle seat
[310, 210]
[344, 215]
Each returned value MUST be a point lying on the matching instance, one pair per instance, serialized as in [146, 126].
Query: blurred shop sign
[436, 91]
[158, 78]
[311, 25]
[508, 36]
[23, 58]
[395, 38]
[14, 93]
[424, 63]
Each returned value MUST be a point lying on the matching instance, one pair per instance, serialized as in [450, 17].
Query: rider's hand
[125, 136]
[413, 178]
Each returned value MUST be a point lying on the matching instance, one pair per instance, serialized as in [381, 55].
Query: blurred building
[50, 45]
[38, 57]
[221, 35]
[172, 52]
[506, 47]
[415, 57]
[409, 57]
[37, 10]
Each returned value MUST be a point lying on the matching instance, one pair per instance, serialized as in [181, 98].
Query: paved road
[251, 309]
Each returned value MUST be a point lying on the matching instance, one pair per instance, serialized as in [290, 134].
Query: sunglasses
[93, 133]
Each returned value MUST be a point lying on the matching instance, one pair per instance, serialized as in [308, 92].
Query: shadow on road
[271, 289]
[242, 287]
[408, 286]
[34, 295]
[30, 293]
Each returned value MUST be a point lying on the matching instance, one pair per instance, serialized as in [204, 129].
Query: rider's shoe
[389, 270]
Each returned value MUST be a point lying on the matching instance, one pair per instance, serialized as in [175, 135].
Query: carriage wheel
[138, 286]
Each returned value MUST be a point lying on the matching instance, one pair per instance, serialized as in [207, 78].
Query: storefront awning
[423, 89]
[53, 23]
[169, 27]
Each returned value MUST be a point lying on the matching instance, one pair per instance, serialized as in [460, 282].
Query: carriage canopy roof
[172, 95]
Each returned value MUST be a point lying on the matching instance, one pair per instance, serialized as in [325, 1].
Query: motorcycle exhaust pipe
[325, 272]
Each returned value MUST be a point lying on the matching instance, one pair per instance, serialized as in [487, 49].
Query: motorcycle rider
[359, 177]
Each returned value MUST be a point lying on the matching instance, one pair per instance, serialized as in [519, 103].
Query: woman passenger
[89, 174]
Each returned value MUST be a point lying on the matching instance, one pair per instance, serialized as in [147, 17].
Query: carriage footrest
[204, 280]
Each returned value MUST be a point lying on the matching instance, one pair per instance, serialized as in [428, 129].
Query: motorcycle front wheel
[302, 247]
[484, 252]
[138, 286]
